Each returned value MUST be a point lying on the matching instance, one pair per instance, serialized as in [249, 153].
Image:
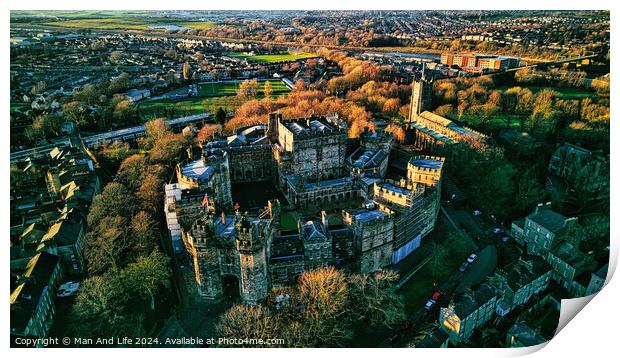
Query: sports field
[211, 96]
[230, 88]
[281, 57]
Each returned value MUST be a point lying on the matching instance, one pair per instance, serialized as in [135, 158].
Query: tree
[396, 131]
[391, 107]
[116, 57]
[248, 88]
[107, 245]
[39, 87]
[114, 200]
[144, 234]
[267, 90]
[243, 321]
[208, 132]
[131, 169]
[167, 149]
[186, 71]
[220, 115]
[154, 130]
[148, 276]
[150, 191]
[373, 300]
[437, 265]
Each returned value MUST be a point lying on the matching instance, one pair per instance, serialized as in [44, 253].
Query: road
[478, 229]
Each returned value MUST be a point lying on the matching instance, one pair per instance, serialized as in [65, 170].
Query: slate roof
[548, 219]
[25, 297]
[469, 304]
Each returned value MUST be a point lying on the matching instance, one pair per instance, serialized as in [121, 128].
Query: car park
[472, 258]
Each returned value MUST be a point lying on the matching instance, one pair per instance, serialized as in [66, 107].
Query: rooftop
[197, 170]
[427, 162]
[548, 219]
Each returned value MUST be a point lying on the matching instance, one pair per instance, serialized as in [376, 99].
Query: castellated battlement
[427, 163]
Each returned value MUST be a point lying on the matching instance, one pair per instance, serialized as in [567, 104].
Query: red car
[437, 295]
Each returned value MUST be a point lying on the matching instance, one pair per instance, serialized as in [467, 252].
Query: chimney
[223, 218]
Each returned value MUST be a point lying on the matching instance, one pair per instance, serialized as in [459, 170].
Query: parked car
[429, 304]
[477, 213]
[437, 295]
[463, 266]
[505, 239]
[68, 289]
[472, 258]
[498, 230]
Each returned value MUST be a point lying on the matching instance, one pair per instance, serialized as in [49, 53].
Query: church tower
[251, 242]
[421, 92]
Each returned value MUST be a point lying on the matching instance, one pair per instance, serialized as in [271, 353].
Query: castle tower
[218, 160]
[272, 127]
[421, 94]
[204, 255]
[425, 169]
[251, 238]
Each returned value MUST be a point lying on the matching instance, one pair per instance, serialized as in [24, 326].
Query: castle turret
[204, 254]
[251, 240]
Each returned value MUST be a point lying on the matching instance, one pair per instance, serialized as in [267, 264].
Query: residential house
[519, 282]
[472, 310]
[32, 298]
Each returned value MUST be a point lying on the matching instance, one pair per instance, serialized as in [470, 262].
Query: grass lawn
[282, 57]
[230, 88]
[421, 286]
[563, 92]
[211, 96]
[288, 220]
[106, 24]
[500, 120]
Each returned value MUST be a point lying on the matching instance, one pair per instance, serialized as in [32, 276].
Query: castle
[307, 161]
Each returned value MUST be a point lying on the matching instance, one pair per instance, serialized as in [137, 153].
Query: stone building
[414, 202]
[582, 170]
[463, 316]
[311, 149]
[306, 159]
[373, 234]
[568, 263]
[211, 171]
[32, 299]
[519, 282]
[522, 335]
[541, 228]
[431, 131]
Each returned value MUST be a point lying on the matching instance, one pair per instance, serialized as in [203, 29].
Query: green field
[563, 92]
[282, 57]
[217, 89]
[128, 23]
[211, 97]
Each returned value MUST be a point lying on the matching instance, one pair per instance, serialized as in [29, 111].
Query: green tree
[114, 200]
[148, 276]
[220, 115]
